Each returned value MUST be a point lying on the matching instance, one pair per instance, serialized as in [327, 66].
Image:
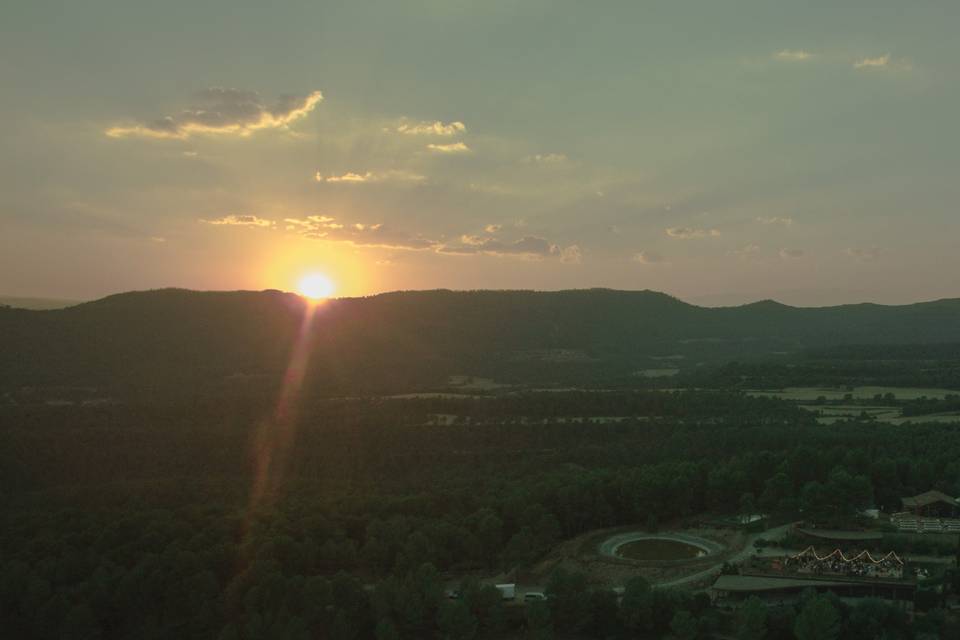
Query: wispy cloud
[493, 228]
[358, 234]
[530, 247]
[793, 55]
[784, 220]
[383, 236]
[790, 254]
[689, 233]
[436, 128]
[453, 147]
[392, 175]
[571, 254]
[864, 254]
[222, 111]
[647, 257]
[880, 62]
[239, 220]
[546, 158]
[748, 252]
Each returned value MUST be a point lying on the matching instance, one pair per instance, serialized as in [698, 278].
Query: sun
[316, 286]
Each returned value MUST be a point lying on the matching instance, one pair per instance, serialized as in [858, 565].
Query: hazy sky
[717, 150]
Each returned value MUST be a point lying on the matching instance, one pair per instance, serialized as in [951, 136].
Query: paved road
[777, 533]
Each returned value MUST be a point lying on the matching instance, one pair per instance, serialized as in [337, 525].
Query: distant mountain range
[179, 341]
[20, 302]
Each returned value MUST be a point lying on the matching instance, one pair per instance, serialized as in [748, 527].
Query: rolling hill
[179, 341]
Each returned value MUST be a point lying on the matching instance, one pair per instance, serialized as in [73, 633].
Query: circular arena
[659, 548]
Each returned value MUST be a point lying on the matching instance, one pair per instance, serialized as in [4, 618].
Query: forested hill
[187, 341]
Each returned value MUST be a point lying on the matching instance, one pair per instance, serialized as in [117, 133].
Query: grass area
[952, 416]
[654, 549]
[802, 394]
[657, 373]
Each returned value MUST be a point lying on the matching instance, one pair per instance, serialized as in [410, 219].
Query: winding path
[777, 533]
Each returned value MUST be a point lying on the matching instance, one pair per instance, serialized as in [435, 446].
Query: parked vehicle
[507, 591]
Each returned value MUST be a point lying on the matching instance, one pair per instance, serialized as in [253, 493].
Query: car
[534, 596]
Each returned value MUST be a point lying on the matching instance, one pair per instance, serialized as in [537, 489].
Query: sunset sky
[721, 151]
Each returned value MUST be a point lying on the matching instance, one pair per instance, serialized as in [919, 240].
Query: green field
[832, 413]
[806, 394]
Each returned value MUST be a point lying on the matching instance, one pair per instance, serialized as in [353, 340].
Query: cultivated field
[808, 394]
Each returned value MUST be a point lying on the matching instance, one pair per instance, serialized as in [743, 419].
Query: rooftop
[929, 497]
[836, 534]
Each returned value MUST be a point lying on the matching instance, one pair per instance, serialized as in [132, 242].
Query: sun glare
[316, 286]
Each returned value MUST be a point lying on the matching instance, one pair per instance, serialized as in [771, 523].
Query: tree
[752, 620]
[490, 536]
[653, 524]
[748, 507]
[874, 619]
[683, 625]
[81, 624]
[567, 596]
[455, 621]
[539, 622]
[818, 620]
[520, 549]
[776, 496]
[386, 630]
[636, 605]
[603, 612]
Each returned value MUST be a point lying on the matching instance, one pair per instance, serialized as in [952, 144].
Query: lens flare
[316, 286]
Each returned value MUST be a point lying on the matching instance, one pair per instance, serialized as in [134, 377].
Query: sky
[720, 151]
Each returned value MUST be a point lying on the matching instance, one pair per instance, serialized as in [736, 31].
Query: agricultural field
[828, 414]
[657, 373]
[809, 394]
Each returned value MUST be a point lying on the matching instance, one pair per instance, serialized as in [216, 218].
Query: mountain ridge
[183, 339]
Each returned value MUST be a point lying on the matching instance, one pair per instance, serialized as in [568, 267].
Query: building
[775, 589]
[932, 504]
[781, 580]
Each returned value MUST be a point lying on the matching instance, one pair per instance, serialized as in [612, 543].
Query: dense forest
[159, 481]
[141, 520]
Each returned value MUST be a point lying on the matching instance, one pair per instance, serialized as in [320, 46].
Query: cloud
[748, 252]
[358, 234]
[530, 247]
[790, 254]
[222, 111]
[493, 228]
[392, 175]
[436, 128]
[688, 233]
[793, 55]
[571, 255]
[546, 158]
[453, 147]
[864, 254]
[647, 257]
[240, 220]
[382, 236]
[880, 62]
[785, 221]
